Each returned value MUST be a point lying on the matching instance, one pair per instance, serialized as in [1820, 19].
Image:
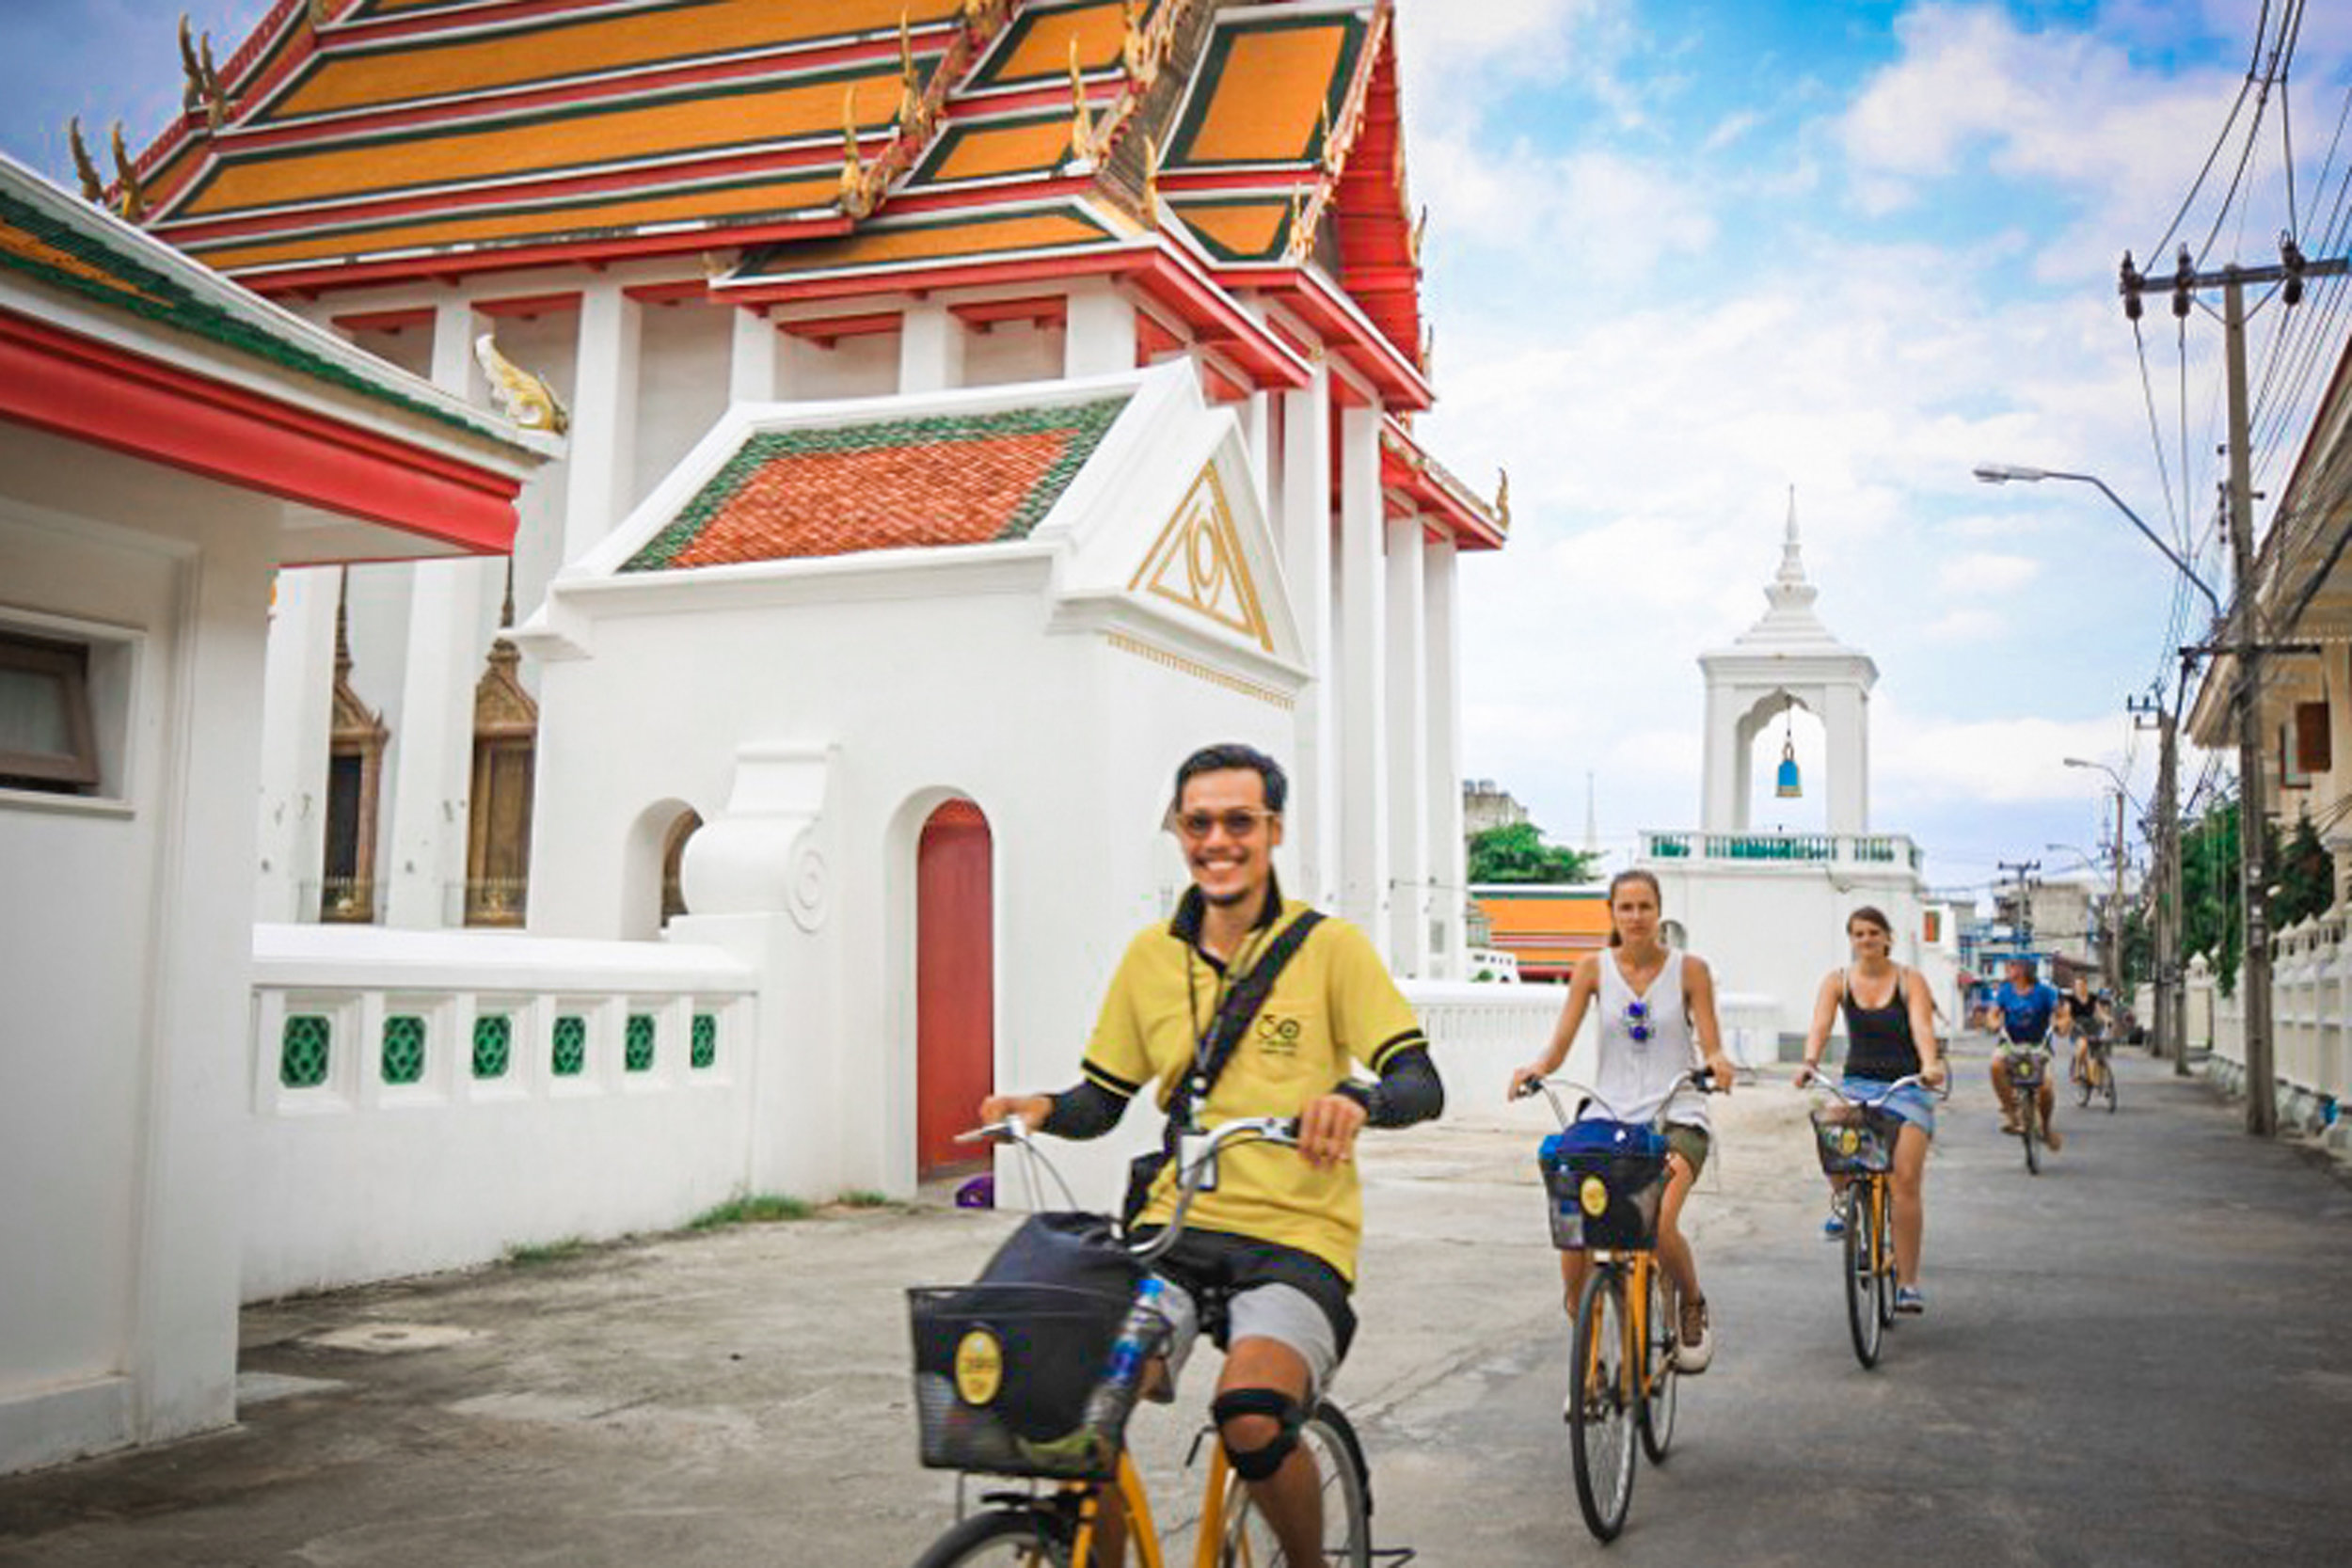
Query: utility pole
[2172, 1032]
[2115, 907]
[2021, 925]
[2262, 1099]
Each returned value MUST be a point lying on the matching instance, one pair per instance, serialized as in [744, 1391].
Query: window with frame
[48, 738]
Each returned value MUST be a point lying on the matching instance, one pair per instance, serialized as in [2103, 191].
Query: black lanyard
[1251, 945]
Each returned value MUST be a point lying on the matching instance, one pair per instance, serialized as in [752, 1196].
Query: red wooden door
[955, 991]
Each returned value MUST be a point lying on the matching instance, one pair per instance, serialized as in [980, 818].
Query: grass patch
[532, 1255]
[864, 1200]
[755, 1208]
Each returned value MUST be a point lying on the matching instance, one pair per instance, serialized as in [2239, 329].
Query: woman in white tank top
[1657, 1023]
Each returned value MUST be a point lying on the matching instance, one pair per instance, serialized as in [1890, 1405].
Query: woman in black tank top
[1890, 1034]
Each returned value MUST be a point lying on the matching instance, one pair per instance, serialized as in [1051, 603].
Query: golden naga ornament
[85, 168]
[527, 400]
[132, 203]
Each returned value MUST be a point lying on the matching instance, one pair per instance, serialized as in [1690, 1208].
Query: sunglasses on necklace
[1637, 1025]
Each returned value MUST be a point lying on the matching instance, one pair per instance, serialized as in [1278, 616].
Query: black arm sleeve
[1408, 1091]
[1088, 1111]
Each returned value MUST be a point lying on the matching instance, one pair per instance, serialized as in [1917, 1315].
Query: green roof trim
[1087, 422]
[137, 288]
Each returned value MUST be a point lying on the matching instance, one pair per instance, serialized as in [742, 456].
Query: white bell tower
[1787, 656]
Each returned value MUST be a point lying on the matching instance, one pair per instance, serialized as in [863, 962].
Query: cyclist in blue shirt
[2025, 1006]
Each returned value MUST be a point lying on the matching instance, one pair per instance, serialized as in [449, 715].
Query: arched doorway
[955, 989]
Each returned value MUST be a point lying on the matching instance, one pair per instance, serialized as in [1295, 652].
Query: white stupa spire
[1791, 625]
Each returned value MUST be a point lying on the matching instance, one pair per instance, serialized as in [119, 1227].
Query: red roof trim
[91, 391]
[1408, 467]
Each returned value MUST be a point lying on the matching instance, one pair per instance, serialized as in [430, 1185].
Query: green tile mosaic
[637, 1056]
[403, 1049]
[493, 1045]
[302, 1050]
[704, 1053]
[571, 1046]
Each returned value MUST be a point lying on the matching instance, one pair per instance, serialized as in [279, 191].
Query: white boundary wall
[2311, 1014]
[360, 1177]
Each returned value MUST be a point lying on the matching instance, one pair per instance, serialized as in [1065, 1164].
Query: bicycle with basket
[1604, 1182]
[1854, 1136]
[1031, 1374]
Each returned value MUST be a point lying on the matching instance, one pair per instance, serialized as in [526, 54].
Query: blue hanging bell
[1787, 788]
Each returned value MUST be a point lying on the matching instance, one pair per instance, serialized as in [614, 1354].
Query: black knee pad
[1258, 1463]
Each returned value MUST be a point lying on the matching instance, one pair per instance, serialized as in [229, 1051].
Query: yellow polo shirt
[1333, 1007]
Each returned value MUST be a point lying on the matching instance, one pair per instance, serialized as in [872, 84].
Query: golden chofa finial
[1420, 232]
[134, 202]
[204, 77]
[1502, 498]
[85, 168]
[1151, 181]
[1142, 61]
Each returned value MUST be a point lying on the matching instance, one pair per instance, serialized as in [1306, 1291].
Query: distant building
[1486, 804]
[1546, 927]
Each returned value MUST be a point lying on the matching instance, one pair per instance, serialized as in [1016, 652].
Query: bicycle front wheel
[2083, 1084]
[1330, 1438]
[1660, 1336]
[2029, 1131]
[2106, 1084]
[1862, 1284]
[1601, 1403]
[1882, 1195]
[1003, 1538]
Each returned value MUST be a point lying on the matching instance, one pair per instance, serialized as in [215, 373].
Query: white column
[600, 477]
[1257, 435]
[1408, 751]
[756, 369]
[1363, 675]
[1442, 696]
[931, 348]
[1101, 340]
[1848, 759]
[424, 864]
[1720, 809]
[1312, 830]
[297, 721]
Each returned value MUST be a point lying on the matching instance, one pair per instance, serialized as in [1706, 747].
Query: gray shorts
[1283, 1313]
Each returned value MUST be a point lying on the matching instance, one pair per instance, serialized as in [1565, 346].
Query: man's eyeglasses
[1637, 1022]
[1241, 822]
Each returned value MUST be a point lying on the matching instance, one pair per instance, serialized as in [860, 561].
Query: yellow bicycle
[1604, 1190]
[1854, 1137]
[980, 1349]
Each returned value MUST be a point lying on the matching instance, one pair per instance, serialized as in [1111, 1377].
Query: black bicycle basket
[1854, 1139]
[1603, 1182]
[2025, 1068]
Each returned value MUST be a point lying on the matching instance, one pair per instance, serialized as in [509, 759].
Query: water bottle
[1124, 1369]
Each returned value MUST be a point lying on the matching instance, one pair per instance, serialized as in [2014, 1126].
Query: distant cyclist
[2091, 1024]
[1890, 1034]
[2022, 1008]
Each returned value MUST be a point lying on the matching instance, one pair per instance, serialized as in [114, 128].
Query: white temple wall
[865, 366]
[1774, 933]
[684, 352]
[1006, 352]
[122, 1020]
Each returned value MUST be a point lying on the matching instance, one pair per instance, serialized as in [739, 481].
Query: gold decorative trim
[1198, 671]
[1197, 561]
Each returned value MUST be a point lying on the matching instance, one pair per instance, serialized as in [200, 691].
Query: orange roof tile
[890, 484]
[553, 48]
[1266, 89]
[1037, 46]
[986, 234]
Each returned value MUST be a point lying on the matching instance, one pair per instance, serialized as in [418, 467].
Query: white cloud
[1987, 573]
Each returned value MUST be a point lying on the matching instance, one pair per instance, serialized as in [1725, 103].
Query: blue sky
[1686, 254]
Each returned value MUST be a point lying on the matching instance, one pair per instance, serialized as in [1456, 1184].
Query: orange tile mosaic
[1269, 102]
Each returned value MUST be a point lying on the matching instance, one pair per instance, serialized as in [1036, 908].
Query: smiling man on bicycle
[1276, 1238]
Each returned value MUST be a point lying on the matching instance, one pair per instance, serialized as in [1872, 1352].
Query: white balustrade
[429, 1099]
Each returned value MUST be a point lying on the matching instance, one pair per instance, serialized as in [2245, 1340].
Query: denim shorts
[1912, 1103]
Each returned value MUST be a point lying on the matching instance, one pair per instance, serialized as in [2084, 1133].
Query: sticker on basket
[1593, 1195]
[1849, 1141]
[980, 1367]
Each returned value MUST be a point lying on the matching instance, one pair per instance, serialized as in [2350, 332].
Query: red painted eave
[86, 390]
[1441, 497]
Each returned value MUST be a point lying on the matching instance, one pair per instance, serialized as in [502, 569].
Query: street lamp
[2114, 965]
[2002, 473]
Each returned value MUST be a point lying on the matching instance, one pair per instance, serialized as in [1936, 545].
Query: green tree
[1517, 853]
[2305, 878]
[2209, 892]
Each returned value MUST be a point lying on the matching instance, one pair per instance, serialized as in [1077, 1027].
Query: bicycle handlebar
[1700, 1078]
[1817, 1077]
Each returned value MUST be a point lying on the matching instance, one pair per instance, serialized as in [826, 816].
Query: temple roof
[896, 484]
[356, 140]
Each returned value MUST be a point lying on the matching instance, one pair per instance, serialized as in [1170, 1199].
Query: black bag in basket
[1032, 1277]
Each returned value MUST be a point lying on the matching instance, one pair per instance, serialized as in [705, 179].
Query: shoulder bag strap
[1234, 1017]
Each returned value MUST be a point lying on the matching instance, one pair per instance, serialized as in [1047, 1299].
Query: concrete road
[2131, 1359]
